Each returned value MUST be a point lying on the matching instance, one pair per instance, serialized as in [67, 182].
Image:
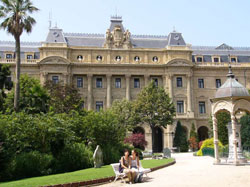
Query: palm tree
[16, 19]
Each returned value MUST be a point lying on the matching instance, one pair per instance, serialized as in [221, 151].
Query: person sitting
[126, 165]
[134, 164]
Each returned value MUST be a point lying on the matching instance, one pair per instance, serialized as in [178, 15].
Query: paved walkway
[190, 171]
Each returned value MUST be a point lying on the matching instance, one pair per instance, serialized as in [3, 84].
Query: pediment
[180, 62]
[54, 60]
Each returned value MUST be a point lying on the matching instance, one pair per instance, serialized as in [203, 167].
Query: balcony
[23, 61]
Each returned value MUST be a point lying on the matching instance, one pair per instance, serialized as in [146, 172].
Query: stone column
[216, 141]
[189, 102]
[90, 91]
[128, 86]
[170, 85]
[109, 91]
[146, 79]
[233, 121]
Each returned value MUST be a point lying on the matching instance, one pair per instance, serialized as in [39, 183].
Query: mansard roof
[231, 88]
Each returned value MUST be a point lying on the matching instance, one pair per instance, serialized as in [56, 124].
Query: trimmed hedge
[209, 143]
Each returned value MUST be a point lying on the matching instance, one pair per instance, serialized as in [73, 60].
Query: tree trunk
[153, 138]
[17, 81]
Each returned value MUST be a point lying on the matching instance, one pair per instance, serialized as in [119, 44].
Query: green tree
[64, 97]
[17, 20]
[125, 113]
[33, 97]
[193, 132]
[223, 118]
[245, 130]
[180, 138]
[154, 107]
[4, 73]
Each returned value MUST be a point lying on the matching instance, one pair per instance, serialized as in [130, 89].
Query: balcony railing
[218, 64]
[13, 61]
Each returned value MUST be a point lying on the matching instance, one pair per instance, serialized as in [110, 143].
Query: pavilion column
[128, 87]
[146, 79]
[216, 141]
[170, 85]
[233, 121]
[90, 91]
[108, 91]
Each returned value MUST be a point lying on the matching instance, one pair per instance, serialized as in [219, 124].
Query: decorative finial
[174, 29]
[50, 19]
[230, 72]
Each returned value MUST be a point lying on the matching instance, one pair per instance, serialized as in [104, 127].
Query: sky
[202, 22]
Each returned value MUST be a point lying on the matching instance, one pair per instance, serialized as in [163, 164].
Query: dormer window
[216, 59]
[99, 58]
[199, 59]
[9, 56]
[137, 59]
[233, 59]
[155, 59]
[118, 58]
[80, 57]
[29, 57]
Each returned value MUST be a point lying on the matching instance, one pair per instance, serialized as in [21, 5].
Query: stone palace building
[117, 65]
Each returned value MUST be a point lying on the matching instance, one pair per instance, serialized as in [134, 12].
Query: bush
[209, 143]
[137, 140]
[111, 154]
[73, 157]
[180, 138]
[207, 151]
[31, 164]
[193, 143]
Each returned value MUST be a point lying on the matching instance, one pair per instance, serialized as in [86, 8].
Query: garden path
[190, 171]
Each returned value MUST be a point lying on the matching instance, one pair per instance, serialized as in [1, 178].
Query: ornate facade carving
[117, 38]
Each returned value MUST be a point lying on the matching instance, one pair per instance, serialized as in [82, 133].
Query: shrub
[200, 144]
[111, 154]
[209, 143]
[31, 164]
[193, 143]
[207, 151]
[73, 157]
[137, 140]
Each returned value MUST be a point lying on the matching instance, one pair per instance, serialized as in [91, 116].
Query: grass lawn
[76, 176]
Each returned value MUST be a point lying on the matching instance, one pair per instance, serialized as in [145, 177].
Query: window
[29, 57]
[155, 82]
[201, 83]
[137, 59]
[99, 58]
[202, 107]
[80, 57]
[155, 59]
[79, 82]
[180, 107]
[98, 82]
[199, 59]
[118, 58]
[216, 59]
[218, 83]
[233, 59]
[55, 79]
[99, 106]
[136, 83]
[179, 81]
[118, 83]
[8, 56]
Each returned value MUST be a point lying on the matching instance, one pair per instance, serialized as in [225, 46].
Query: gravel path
[190, 171]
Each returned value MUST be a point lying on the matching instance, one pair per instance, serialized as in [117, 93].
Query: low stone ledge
[102, 180]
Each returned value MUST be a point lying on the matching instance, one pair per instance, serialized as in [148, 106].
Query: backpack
[138, 179]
